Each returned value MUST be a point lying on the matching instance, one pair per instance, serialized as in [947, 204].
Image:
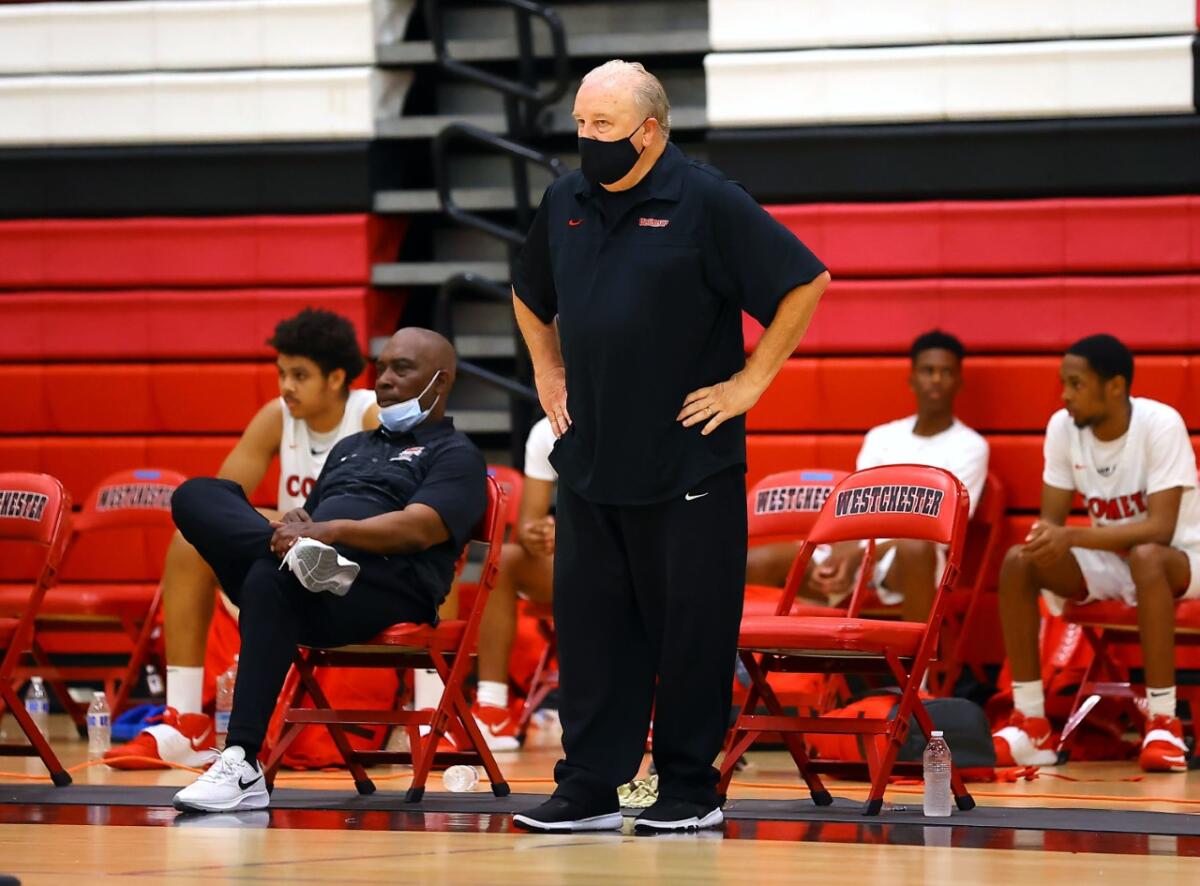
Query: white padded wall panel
[207, 34]
[313, 103]
[1155, 76]
[795, 24]
[963, 82]
[120, 39]
[1014, 79]
[881, 87]
[145, 35]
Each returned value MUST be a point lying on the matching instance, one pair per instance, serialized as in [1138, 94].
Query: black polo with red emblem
[649, 286]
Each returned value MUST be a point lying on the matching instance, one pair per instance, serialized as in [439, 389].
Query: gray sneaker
[319, 567]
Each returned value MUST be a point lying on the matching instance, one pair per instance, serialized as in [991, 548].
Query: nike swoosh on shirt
[317, 451]
[689, 497]
[247, 784]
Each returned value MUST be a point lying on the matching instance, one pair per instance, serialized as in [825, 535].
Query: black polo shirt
[376, 472]
[649, 286]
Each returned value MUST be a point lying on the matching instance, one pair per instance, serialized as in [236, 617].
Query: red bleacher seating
[857, 393]
[304, 250]
[138, 398]
[998, 315]
[227, 324]
[82, 462]
[1005, 237]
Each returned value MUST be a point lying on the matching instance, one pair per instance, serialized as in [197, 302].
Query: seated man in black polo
[374, 545]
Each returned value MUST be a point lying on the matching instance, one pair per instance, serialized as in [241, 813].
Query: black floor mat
[843, 810]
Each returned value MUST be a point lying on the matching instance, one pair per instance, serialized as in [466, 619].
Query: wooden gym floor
[51, 844]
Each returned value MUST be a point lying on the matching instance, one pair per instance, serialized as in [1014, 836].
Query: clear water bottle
[99, 726]
[37, 705]
[225, 684]
[460, 779]
[937, 777]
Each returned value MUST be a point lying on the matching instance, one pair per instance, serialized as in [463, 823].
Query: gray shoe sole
[648, 826]
[608, 822]
[321, 566]
[250, 800]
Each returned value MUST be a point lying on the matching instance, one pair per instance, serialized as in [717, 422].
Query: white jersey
[958, 449]
[302, 450]
[538, 445]
[1116, 477]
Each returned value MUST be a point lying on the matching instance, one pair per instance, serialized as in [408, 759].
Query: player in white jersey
[526, 570]
[318, 358]
[906, 571]
[1132, 462]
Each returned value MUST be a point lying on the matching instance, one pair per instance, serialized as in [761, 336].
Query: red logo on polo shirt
[574, 222]
[653, 222]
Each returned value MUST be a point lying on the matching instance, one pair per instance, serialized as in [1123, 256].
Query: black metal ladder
[522, 101]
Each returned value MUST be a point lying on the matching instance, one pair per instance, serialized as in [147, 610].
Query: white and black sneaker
[672, 816]
[319, 567]
[231, 783]
[560, 815]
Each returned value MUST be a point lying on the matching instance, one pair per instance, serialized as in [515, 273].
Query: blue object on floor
[127, 726]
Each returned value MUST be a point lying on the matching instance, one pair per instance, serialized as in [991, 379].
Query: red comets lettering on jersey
[299, 487]
[889, 500]
[22, 505]
[782, 499]
[1120, 508]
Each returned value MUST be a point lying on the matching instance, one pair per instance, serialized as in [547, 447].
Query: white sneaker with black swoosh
[231, 783]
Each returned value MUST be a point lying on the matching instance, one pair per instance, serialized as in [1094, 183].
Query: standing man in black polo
[629, 293]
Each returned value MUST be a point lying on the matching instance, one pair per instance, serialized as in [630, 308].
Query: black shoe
[561, 815]
[668, 815]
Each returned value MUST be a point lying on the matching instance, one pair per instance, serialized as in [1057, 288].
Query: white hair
[648, 91]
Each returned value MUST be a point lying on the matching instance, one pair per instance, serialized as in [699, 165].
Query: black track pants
[642, 595]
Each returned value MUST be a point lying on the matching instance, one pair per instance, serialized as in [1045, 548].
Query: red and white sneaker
[1163, 749]
[498, 726]
[184, 739]
[1025, 741]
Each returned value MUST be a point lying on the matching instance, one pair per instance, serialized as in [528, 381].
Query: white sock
[1161, 701]
[185, 689]
[427, 688]
[492, 694]
[1029, 698]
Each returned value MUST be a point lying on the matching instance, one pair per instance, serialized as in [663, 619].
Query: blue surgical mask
[402, 417]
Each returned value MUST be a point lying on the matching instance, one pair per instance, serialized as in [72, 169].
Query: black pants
[277, 612]
[643, 594]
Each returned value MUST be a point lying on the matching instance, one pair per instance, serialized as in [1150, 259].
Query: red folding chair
[34, 512]
[782, 508]
[545, 673]
[109, 596]
[982, 553]
[512, 483]
[1111, 630]
[449, 648]
[895, 501]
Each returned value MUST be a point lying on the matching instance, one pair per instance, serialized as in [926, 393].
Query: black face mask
[603, 163]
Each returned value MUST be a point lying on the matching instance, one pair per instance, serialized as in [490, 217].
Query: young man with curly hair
[318, 357]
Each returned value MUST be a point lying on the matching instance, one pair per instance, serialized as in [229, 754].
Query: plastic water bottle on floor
[460, 779]
[99, 726]
[37, 705]
[937, 777]
[225, 684]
